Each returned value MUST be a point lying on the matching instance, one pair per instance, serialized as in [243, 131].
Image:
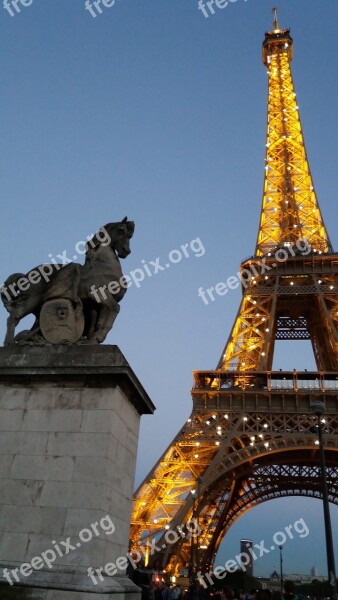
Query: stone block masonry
[69, 423]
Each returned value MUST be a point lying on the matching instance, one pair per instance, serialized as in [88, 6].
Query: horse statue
[72, 303]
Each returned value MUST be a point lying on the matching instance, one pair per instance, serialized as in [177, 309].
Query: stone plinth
[69, 423]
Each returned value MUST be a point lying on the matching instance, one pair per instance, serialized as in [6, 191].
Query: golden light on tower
[290, 213]
[248, 423]
[289, 209]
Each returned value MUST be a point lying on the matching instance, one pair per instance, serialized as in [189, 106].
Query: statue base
[69, 423]
[66, 586]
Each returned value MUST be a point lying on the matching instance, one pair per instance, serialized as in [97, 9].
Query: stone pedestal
[69, 422]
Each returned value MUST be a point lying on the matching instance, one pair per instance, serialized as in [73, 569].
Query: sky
[154, 111]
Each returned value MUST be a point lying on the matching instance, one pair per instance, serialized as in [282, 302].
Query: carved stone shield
[60, 322]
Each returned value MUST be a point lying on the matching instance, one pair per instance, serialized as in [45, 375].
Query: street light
[199, 481]
[195, 554]
[281, 568]
[318, 408]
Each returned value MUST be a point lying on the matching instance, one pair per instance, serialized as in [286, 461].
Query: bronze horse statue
[71, 303]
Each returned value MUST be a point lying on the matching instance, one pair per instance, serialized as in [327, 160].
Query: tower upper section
[290, 210]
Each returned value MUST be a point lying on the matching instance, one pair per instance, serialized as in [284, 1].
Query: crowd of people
[159, 590]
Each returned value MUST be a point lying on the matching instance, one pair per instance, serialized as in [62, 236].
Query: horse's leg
[18, 312]
[92, 322]
[109, 309]
[12, 322]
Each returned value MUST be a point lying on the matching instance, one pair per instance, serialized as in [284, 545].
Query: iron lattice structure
[251, 436]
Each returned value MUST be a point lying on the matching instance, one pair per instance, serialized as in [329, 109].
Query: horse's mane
[109, 228]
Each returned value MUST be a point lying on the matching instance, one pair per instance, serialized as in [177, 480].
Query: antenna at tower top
[275, 22]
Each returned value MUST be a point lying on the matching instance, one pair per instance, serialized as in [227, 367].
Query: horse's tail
[7, 290]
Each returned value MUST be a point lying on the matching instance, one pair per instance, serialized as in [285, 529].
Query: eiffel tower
[251, 436]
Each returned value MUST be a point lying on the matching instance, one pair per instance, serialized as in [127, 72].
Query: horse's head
[115, 235]
[120, 242]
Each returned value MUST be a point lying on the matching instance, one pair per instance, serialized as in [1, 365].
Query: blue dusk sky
[154, 111]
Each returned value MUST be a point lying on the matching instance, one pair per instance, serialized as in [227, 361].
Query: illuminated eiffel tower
[251, 436]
